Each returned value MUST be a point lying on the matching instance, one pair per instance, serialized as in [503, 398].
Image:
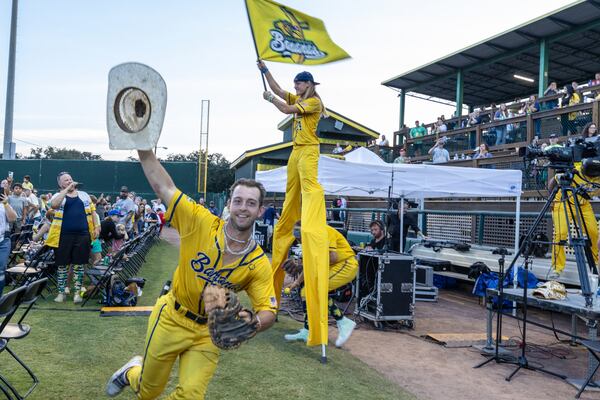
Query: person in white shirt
[338, 149]
[33, 208]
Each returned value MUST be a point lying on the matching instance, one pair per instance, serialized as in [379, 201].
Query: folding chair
[100, 275]
[29, 270]
[593, 346]
[20, 330]
[8, 306]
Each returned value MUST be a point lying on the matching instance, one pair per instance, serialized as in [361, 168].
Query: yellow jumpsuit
[305, 201]
[171, 334]
[561, 227]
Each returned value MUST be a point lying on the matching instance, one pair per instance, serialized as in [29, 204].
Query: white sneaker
[67, 291]
[77, 298]
[554, 275]
[60, 298]
[345, 328]
[118, 380]
[301, 335]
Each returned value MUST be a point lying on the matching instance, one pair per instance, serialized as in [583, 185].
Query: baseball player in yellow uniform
[561, 227]
[212, 252]
[304, 196]
[343, 268]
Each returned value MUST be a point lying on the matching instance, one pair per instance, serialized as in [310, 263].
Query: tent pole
[401, 224]
[517, 231]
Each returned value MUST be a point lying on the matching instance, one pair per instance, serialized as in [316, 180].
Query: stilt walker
[304, 197]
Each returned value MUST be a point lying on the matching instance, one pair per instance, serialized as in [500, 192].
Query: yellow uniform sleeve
[331, 236]
[291, 98]
[312, 105]
[260, 289]
[185, 215]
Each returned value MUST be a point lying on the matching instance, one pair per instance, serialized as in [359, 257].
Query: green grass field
[74, 352]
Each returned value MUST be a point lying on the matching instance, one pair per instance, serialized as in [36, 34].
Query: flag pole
[254, 41]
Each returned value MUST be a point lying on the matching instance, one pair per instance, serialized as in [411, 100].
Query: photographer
[562, 222]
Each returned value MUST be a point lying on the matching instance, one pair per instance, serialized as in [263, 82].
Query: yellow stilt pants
[305, 200]
[561, 231]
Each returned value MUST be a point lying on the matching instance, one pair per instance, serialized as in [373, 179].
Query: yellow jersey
[339, 244]
[201, 259]
[306, 119]
[578, 180]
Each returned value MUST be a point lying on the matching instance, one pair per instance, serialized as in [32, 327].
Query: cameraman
[561, 226]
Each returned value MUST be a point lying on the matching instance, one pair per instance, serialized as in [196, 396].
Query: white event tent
[363, 173]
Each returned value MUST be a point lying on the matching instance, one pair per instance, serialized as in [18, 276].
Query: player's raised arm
[157, 176]
[271, 80]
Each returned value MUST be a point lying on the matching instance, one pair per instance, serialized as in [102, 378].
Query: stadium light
[523, 78]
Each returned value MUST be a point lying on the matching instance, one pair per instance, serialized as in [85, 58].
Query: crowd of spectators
[77, 226]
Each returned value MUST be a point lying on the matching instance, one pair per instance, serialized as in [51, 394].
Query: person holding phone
[7, 215]
[73, 228]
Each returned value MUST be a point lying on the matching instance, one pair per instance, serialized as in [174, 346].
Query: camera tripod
[579, 241]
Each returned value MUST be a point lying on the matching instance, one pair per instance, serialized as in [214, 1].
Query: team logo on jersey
[209, 273]
[288, 39]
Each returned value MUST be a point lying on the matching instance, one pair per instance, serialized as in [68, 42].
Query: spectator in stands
[44, 227]
[377, 231]
[348, 147]
[27, 183]
[71, 233]
[438, 153]
[417, 132]
[551, 90]
[402, 158]
[19, 204]
[225, 212]
[590, 130]
[552, 142]
[474, 118]
[499, 115]
[7, 215]
[337, 149]
[213, 209]
[128, 209]
[440, 126]
[384, 150]
[483, 152]
[202, 202]
[569, 122]
[44, 205]
[595, 82]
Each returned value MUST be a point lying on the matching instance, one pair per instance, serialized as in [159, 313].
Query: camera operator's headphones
[379, 224]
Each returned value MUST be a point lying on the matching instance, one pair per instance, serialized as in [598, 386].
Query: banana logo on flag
[289, 41]
[283, 34]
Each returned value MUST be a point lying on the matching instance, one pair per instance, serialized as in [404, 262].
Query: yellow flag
[283, 34]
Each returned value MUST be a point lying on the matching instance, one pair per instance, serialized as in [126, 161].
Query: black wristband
[264, 70]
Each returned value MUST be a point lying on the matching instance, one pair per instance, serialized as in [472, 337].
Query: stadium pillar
[543, 73]
[402, 97]
[459, 92]
[8, 152]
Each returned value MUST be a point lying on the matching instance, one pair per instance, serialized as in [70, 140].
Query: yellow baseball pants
[305, 200]
[561, 228]
[171, 335]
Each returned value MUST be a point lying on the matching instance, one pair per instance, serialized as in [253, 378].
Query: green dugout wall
[100, 176]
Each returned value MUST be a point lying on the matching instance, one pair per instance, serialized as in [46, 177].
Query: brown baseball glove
[292, 266]
[229, 323]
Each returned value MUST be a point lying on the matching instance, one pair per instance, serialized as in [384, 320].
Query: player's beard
[242, 226]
